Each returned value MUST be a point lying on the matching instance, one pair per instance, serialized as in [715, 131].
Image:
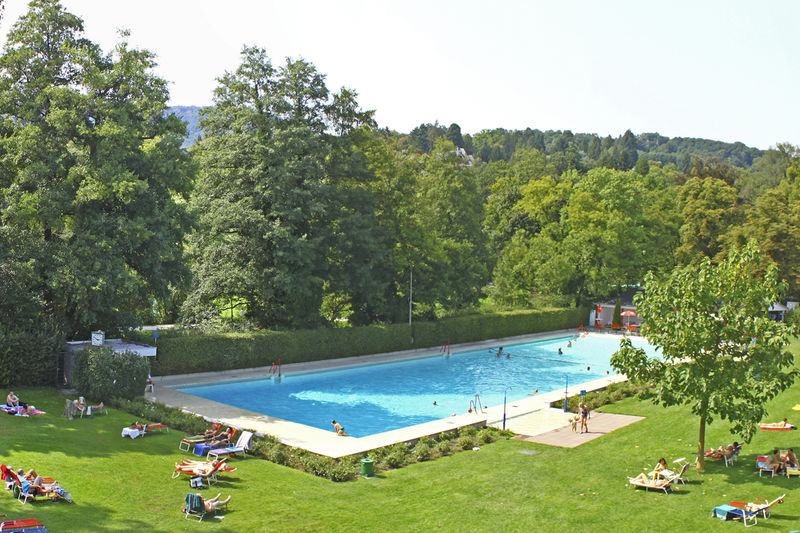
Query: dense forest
[284, 205]
[590, 149]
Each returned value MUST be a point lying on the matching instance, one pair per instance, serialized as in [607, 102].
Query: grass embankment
[124, 485]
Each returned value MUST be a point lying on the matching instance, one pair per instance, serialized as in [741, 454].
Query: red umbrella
[628, 314]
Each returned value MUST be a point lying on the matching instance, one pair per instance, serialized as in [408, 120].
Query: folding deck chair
[242, 445]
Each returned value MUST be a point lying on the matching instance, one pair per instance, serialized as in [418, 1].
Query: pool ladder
[275, 371]
[475, 404]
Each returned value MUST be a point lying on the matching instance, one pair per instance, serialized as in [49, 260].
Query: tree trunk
[701, 445]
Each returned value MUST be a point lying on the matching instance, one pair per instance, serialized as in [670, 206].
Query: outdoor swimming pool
[375, 398]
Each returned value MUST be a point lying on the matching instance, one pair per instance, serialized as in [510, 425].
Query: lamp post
[410, 301]
[566, 388]
[504, 407]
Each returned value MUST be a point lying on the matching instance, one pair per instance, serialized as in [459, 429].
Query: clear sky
[726, 70]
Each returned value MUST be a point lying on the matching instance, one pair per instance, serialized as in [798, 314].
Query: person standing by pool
[584, 412]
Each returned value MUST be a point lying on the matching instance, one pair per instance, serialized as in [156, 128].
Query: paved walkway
[540, 417]
[599, 425]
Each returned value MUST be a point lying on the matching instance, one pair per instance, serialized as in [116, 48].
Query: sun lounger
[203, 469]
[761, 464]
[654, 484]
[777, 426]
[194, 507]
[24, 491]
[242, 445]
[729, 459]
[187, 443]
[729, 512]
[26, 525]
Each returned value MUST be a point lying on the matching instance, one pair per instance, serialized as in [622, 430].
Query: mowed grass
[124, 485]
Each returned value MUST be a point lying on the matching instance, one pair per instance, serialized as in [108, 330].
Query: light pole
[504, 407]
[566, 388]
[410, 301]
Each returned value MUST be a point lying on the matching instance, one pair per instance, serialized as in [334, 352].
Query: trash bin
[367, 468]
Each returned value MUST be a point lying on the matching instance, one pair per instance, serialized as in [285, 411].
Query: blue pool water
[376, 398]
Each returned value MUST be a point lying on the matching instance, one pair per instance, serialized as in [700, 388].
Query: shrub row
[343, 469]
[183, 351]
[101, 373]
[29, 353]
[613, 393]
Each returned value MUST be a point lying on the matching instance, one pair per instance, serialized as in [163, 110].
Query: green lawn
[124, 485]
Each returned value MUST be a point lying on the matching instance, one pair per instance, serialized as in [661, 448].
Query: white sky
[725, 70]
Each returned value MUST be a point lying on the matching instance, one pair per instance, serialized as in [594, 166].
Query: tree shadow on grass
[99, 436]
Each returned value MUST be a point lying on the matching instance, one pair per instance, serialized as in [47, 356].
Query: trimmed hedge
[343, 469]
[184, 351]
[613, 393]
[101, 373]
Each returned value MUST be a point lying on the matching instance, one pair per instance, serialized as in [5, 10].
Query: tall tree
[708, 207]
[721, 354]
[266, 194]
[92, 169]
[454, 135]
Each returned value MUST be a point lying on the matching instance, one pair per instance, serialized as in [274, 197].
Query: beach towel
[18, 411]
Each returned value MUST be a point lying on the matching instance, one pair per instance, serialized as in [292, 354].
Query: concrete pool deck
[529, 416]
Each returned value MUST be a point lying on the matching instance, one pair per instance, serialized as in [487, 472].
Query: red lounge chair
[204, 469]
[26, 525]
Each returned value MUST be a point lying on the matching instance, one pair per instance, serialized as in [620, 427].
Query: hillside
[493, 145]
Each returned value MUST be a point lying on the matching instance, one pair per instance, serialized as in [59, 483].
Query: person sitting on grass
[13, 401]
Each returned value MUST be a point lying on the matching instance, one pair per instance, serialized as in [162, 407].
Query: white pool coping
[328, 443]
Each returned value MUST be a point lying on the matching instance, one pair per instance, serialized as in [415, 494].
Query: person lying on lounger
[644, 480]
[223, 438]
[782, 424]
[724, 451]
[204, 468]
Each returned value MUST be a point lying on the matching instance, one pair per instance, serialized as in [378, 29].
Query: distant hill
[191, 115]
[501, 144]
